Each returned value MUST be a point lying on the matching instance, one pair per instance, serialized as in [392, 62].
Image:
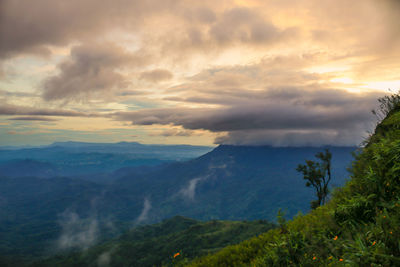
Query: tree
[318, 175]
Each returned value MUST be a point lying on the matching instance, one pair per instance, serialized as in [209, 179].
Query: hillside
[358, 227]
[229, 183]
[232, 183]
[154, 245]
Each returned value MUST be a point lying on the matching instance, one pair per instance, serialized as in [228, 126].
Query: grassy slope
[154, 245]
[360, 226]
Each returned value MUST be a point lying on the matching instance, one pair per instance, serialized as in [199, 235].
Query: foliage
[387, 104]
[360, 226]
[156, 245]
[318, 175]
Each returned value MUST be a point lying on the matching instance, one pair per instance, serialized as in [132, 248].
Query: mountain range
[39, 211]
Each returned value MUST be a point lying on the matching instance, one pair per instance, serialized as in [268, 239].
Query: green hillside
[360, 226]
[155, 245]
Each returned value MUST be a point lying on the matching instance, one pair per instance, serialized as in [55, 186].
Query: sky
[241, 72]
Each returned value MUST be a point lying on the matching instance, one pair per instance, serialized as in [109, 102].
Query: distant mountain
[230, 183]
[155, 245]
[132, 150]
[96, 162]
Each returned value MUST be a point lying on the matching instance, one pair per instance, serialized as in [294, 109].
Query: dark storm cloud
[340, 137]
[303, 116]
[90, 70]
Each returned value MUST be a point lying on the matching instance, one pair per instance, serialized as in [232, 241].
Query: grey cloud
[144, 215]
[231, 27]
[244, 25]
[251, 117]
[18, 94]
[200, 14]
[32, 118]
[90, 72]
[2, 72]
[338, 137]
[7, 109]
[176, 132]
[190, 191]
[27, 28]
[307, 114]
[77, 232]
[104, 258]
[205, 15]
[156, 75]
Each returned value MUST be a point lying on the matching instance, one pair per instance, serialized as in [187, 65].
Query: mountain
[360, 226]
[97, 162]
[67, 151]
[233, 183]
[155, 245]
[230, 183]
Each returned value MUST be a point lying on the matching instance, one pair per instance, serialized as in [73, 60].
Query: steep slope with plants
[360, 226]
[172, 241]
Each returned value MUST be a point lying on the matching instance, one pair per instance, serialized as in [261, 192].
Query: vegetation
[156, 245]
[318, 175]
[360, 226]
[233, 183]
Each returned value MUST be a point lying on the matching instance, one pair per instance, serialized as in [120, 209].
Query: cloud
[50, 23]
[244, 25]
[32, 118]
[338, 137]
[91, 71]
[23, 132]
[157, 75]
[246, 71]
[206, 23]
[77, 232]
[190, 191]
[8, 109]
[174, 132]
[295, 114]
[104, 258]
[144, 215]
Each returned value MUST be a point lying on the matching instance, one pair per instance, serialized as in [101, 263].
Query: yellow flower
[330, 257]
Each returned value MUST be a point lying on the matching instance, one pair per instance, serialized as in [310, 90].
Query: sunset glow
[195, 72]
